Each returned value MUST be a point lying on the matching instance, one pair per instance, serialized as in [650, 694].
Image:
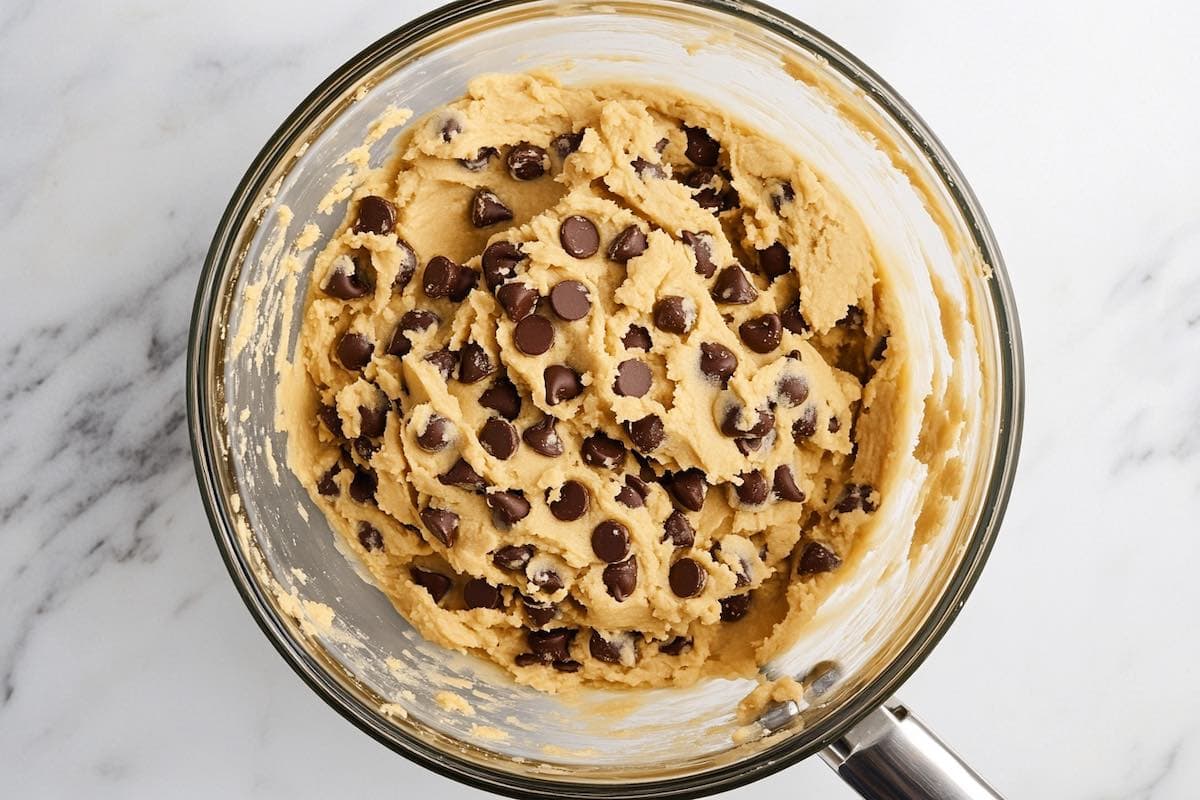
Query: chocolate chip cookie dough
[598, 384]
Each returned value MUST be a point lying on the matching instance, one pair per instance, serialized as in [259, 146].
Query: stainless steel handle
[890, 755]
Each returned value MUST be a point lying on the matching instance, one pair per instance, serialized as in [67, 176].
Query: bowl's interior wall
[615, 733]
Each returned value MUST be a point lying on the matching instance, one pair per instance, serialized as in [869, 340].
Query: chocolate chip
[534, 335]
[499, 438]
[647, 170]
[748, 444]
[775, 261]
[365, 448]
[539, 613]
[503, 398]
[687, 577]
[633, 378]
[513, 557]
[363, 485]
[354, 350]
[835, 425]
[474, 364]
[372, 421]
[703, 178]
[701, 149]
[527, 161]
[569, 299]
[327, 486]
[804, 427]
[621, 579]
[566, 143]
[499, 262]
[646, 433]
[543, 438]
[511, 507]
[375, 215]
[880, 348]
[675, 646]
[753, 489]
[815, 558]
[462, 475]
[601, 450]
[418, 320]
[732, 286]
[855, 318]
[329, 416]
[464, 281]
[554, 644]
[637, 484]
[567, 665]
[782, 196]
[451, 127]
[579, 236]
[792, 390]
[478, 593]
[715, 195]
[855, 496]
[628, 244]
[488, 209]
[762, 334]
[764, 421]
[785, 485]
[445, 361]
[679, 530]
[688, 488]
[440, 277]
[637, 338]
[346, 286]
[435, 583]
[411, 322]
[793, 319]
[562, 384]
[610, 541]
[742, 573]
[441, 524]
[629, 498]
[480, 161]
[517, 300]
[603, 650]
[735, 607]
[369, 537]
[674, 315]
[547, 580]
[701, 245]
[528, 659]
[717, 362]
[572, 502]
[407, 265]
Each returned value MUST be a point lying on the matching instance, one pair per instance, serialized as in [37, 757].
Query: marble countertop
[128, 664]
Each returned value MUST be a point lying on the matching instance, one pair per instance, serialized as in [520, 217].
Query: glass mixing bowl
[341, 634]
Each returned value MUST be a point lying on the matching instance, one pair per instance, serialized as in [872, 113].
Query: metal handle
[890, 755]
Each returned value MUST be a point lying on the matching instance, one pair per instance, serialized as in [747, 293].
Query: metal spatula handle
[890, 755]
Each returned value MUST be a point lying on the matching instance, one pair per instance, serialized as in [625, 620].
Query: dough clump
[590, 374]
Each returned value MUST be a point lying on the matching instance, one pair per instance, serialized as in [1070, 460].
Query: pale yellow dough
[834, 273]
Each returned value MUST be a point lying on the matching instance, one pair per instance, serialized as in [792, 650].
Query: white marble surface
[128, 665]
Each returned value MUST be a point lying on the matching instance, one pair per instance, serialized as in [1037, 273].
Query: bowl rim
[222, 252]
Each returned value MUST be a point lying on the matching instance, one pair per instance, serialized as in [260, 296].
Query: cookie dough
[598, 384]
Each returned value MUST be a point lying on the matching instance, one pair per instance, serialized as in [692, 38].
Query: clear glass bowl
[365, 660]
